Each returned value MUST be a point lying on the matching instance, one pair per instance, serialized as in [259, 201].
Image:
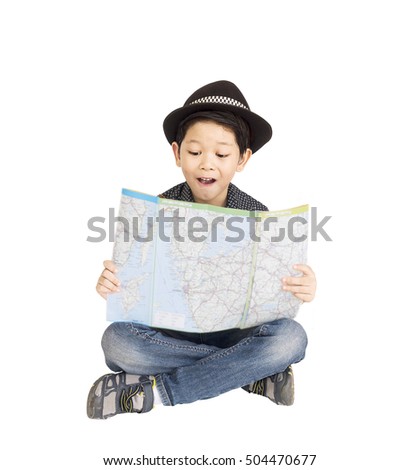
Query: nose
[206, 162]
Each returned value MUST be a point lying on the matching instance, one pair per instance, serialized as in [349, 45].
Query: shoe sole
[93, 409]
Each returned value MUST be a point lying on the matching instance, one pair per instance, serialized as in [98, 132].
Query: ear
[176, 152]
[244, 159]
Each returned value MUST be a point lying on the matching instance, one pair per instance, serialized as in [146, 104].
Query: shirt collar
[232, 197]
[186, 193]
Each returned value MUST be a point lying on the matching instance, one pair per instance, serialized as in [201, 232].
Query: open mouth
[206, 180]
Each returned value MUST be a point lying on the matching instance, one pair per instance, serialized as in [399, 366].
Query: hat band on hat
[219, 100]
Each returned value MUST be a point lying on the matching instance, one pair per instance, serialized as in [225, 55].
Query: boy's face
[209, 156]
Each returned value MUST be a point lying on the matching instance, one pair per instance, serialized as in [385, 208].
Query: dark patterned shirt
[236, 199]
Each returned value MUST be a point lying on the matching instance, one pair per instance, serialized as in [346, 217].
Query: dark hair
[235, 123]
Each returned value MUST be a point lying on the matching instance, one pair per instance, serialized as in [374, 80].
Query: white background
[85, 86]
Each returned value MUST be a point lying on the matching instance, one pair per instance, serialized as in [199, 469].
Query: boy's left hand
[303, 287]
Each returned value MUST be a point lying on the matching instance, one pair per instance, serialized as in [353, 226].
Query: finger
[110, 266]
[298, 280]
[103, 291]
[110, 277]
[304, 297]
[105, 283]
[304, 268]
[105, 287]
[298, 289]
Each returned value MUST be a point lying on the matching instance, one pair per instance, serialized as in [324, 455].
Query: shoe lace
[258, 387]
[126, 398]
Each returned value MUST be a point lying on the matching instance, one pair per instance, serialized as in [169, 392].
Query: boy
[212, 136]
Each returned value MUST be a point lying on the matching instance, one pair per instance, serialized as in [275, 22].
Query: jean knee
[298, 333]
[298, 340]
[290, 339]
[113, 343]
[109, 336]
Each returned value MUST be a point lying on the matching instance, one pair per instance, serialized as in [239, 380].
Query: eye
[222, 155]
[195, 154]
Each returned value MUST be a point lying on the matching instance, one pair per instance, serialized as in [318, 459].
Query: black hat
[220, 96]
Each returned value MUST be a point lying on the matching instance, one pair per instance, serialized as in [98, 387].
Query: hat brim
[260, 130]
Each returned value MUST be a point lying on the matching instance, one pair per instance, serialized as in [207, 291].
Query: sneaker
[112, 394]
[279, 388]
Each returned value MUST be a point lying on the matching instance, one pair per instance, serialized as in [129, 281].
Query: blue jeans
[193, 366]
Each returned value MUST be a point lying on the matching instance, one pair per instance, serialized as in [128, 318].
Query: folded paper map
[203, 268]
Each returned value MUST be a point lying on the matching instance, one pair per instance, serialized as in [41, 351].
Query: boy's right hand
[108, 282]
